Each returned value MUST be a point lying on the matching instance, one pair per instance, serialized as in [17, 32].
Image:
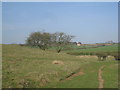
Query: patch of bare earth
[100, 79]
[58, 62]
[110, 56]
[74, 75]
[87, 56]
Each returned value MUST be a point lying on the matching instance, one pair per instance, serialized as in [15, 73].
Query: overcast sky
[90, 22]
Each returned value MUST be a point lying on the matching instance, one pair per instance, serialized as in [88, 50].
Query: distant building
[79, 44]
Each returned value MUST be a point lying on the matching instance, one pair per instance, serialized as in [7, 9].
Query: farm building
[79, 44]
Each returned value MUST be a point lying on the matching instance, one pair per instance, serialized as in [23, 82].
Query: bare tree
[60, 40]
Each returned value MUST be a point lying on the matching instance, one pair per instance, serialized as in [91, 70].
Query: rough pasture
[26, 67]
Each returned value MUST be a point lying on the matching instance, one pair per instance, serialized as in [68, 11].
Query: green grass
[79, 47]
[90, 77]
[32, 68]
[112, 48]
[111, 68]
[105, 49]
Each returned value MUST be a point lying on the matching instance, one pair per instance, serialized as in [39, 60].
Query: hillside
[26, 67]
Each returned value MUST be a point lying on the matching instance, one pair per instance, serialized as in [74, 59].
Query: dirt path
[101, 81]
[100, 78]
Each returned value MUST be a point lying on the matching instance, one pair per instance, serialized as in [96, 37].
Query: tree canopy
[45, 40]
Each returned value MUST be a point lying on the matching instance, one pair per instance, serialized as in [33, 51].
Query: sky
[0, 22]
[89, 22]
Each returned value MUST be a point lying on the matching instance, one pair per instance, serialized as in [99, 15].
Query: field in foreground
[25, 67]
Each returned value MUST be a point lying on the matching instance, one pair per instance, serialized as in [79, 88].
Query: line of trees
[44, 40]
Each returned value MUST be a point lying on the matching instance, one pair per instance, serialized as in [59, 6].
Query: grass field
[26, 67]
[112, 48]
[104, 50]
